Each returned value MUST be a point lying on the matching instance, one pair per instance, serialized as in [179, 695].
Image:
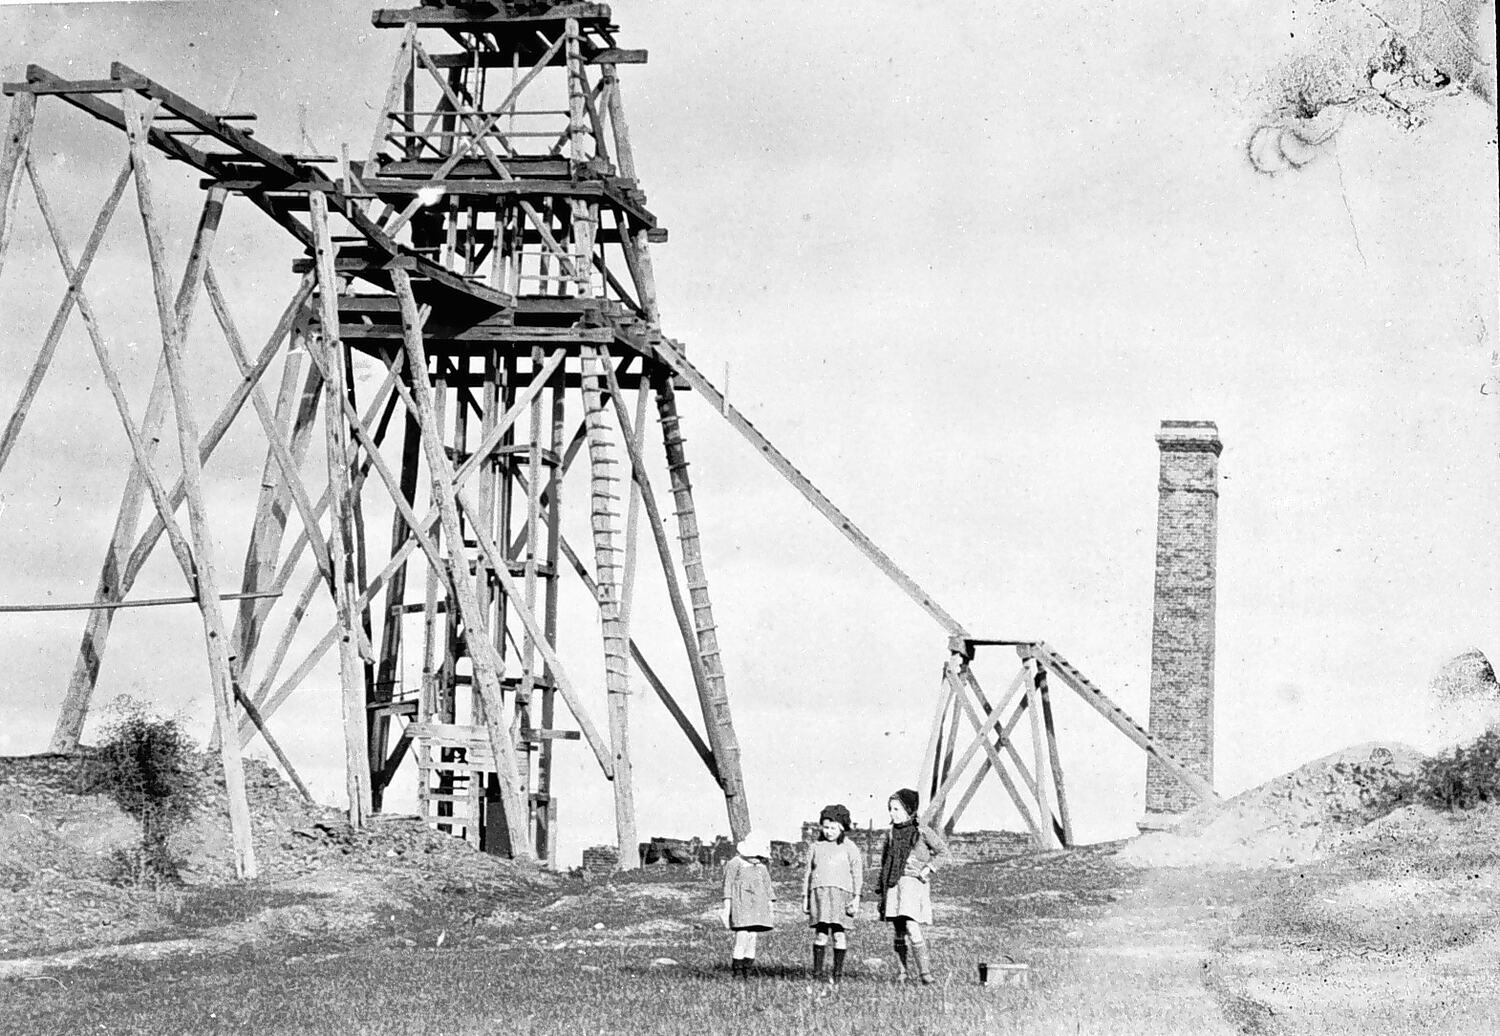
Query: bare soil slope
[1308, 905]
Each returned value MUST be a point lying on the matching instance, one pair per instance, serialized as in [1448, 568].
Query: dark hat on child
[908, 798]
[836, 812]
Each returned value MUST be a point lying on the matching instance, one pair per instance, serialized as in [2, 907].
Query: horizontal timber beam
[467, 16]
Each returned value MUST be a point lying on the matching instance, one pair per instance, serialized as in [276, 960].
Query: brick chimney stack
[1182, 628]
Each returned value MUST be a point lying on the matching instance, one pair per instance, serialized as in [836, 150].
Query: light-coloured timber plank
[215, 630]
[1054, 758]
[1046, 807]
[340, 548]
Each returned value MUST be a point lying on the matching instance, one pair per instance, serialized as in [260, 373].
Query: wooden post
[206, 586]
[340, 546]
[1056, 769]
[546, 818]
[1045, 806]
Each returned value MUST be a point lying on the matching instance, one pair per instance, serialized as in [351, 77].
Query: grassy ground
[1112, 950]
[640, 955]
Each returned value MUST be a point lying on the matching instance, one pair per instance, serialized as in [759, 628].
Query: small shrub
[1464, 777]
[146, 764]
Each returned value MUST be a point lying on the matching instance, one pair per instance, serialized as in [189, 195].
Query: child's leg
[840, 947]
[820, 949]
[744, 953]
[900, 945]
[919, 951]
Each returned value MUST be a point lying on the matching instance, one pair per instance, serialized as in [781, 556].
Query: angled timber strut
[473, 350]
[965, 716]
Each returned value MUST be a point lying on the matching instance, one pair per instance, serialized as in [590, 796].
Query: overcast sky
[959, 261]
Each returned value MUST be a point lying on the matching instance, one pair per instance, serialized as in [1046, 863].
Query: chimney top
[1190, 436]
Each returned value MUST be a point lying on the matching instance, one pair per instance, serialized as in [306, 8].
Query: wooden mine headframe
[492, 252]
[491, 256]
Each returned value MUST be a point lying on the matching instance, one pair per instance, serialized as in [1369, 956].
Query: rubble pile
[1291, 819]
[66, 857]
[294, 837]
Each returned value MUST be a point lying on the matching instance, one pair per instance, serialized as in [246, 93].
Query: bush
[146, 764]
[1464, 777]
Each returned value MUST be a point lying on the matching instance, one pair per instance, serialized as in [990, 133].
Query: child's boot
[924, 962]
[818, 956]
[900, 945]
[749, 968]
[838, 965]
[736, 968]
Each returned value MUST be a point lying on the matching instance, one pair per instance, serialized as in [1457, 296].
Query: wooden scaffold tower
[489, 258]
[491, 253]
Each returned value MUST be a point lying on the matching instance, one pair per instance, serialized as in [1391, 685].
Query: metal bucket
[1008, 972]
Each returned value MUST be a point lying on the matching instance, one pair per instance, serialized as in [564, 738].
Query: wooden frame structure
[1037, 791]
[491, 253]
[490, 256]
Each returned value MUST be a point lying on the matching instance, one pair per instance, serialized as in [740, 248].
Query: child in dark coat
[911, 853]
[748, 901]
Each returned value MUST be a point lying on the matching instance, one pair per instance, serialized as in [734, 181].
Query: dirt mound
[65, 878]
[1290, 819]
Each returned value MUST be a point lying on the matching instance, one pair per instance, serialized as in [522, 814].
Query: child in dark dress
[910, 854]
